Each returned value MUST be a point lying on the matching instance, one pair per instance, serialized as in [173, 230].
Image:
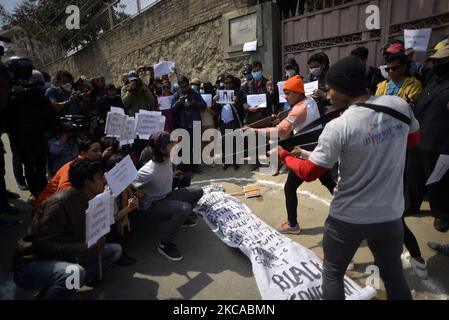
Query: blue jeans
[51, 275]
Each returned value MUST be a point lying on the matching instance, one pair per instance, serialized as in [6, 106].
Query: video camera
[73, 123]
[21, 70]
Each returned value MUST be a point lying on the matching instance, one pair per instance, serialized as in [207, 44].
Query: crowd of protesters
[59, 151]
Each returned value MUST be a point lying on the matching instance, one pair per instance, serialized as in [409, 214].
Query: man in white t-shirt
[368, 203]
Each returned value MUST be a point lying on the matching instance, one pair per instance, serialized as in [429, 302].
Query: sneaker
[226, 166]
[189, 223]
[441, 224]
[285, 228]
[236, 167]
[441, 248]
[169, 250]
[420, 269]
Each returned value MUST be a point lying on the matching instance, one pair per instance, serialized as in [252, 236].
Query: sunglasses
[392, 69]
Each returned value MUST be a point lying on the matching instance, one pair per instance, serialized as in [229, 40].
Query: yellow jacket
[411, 89]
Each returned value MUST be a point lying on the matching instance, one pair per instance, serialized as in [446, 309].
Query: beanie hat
[348, 76]
[295, 84]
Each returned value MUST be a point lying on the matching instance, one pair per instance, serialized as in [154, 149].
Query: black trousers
[17, 164]
[419, 167]
[33, 152]
[3, 195]
[189, 167]
[291, 198]
[341, 241]
[229, 158]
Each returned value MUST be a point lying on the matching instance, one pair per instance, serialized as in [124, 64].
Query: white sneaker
[350, 266]
[420, 269]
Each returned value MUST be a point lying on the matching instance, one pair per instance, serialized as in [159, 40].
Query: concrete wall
[187, 32]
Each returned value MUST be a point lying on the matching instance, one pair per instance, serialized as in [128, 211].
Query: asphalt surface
[210, 270]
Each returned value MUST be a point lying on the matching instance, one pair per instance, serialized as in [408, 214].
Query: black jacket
[29, 113]
[433, 115]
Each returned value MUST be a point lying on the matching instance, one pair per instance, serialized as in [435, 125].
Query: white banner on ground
[165, 102]
[257, 100]
[440, 170]
[98, 217]
[129, 132]
[281, 92]
[162, 68]
[417, 39]
[309, 88]
[115, 121]
[284, 270]
[121, 176]
[147, 123]
[225, 96]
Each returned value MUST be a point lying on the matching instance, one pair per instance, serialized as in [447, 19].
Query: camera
[138, 82]
[73, 123]
[21, 70]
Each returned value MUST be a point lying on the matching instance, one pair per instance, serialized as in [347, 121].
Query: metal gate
[340, 29]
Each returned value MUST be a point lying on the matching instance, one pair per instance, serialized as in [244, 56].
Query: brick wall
[188, 32]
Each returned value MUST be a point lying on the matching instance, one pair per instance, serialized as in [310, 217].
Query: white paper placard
[417, 39]
[383, 71]
[281, 92]
[225, 96]
[208, 99]
[162, 123]
[147, 123]
[98, 217]
[440, 170]
[162, 68]
[165, 102]
[115, 121]
[129, 132]
[250, 46]
[257, 100]
[121, 176]
[309, 88]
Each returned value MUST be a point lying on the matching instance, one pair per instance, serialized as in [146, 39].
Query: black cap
[348, 76]
[291, 62]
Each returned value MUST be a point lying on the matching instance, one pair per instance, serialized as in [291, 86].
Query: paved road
[210, 270]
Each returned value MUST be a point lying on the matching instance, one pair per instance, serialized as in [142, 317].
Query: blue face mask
[257, 75]
[195, 88]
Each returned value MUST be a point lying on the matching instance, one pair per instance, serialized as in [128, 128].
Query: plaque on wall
[243, 29]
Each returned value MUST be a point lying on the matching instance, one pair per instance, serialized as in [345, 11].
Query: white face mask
[290, 73]
[67, 87]
[315, 71]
